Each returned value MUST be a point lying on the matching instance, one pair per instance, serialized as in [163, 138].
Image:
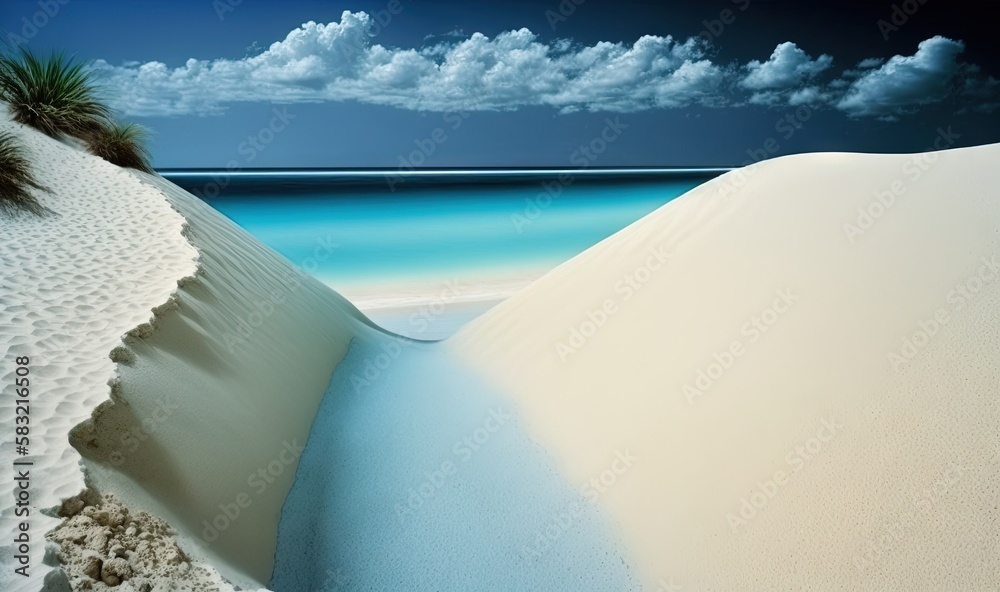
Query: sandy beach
[742, 399]
[451, 296]
[435, 310]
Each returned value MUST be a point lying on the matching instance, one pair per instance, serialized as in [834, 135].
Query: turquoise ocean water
[350, 229]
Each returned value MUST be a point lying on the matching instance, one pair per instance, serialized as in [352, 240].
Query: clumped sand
[103, 546]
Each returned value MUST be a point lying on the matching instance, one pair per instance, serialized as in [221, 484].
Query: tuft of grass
[15, 179]
[55, 95]
[58, 97]
[122, 144]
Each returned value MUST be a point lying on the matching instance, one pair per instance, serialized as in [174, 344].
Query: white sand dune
[73, 283]
[221, 382]
[230, 377]
[807, 376]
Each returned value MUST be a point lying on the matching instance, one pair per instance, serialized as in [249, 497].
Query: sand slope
[187, 373]
[214, 403]
[803, 356]
[71, 284]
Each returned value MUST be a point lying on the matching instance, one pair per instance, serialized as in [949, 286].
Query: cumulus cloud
[980, 94]
[768, 98]
[787, 67]
[339, 61]
[906, 82]
[867, 63]
[811, 95]
[456, 32]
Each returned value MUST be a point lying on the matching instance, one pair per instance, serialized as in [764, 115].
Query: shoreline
[375, 295]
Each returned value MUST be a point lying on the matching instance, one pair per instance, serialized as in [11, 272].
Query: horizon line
[272, 171]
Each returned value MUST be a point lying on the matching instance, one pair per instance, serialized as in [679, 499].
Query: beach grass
[58, 96]
[123, 144]
[55, 95]
[16, 178]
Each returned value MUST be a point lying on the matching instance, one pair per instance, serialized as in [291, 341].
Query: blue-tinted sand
[421, 322]
[388, 496]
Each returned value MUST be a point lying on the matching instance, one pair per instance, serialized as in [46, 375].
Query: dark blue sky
[777, 78]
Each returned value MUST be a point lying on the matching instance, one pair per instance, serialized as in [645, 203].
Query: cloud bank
[339, 61]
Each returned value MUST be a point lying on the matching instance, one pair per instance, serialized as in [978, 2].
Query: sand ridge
[73, 283]
[211, 409]
[182, 357]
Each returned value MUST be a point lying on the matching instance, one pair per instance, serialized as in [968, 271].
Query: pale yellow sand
[814, 453]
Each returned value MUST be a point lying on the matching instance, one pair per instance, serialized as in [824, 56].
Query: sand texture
[73, 283]
[219, 398]
[803, 356]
